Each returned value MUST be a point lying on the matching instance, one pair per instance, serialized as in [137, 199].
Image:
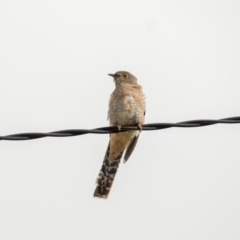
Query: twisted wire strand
[114, 129]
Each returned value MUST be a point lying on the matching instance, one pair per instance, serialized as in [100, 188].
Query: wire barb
[114, 129]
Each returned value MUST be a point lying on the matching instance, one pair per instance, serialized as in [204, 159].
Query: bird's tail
[106, 175]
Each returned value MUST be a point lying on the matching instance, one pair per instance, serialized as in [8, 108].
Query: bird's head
[123, 77]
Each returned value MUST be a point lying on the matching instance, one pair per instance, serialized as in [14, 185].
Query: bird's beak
[112, 75]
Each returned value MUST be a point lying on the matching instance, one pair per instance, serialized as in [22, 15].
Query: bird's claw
[139, 125]
[119, 127]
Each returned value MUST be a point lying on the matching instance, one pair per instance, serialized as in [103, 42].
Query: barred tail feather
[106, 175]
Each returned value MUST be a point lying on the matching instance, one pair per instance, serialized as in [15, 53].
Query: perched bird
[126, 107]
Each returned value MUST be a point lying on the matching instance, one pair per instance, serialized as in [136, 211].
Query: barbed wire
[114, 129]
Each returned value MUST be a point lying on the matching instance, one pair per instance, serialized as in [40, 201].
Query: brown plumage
[126, 107]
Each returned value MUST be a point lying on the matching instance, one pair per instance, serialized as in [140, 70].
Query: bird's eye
[125, 75]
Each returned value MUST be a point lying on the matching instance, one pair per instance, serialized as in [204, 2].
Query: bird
[127, 107]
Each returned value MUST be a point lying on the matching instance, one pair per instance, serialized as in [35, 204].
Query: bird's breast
[125, 110]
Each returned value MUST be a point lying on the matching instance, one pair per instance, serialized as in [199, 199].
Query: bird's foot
[139, 125]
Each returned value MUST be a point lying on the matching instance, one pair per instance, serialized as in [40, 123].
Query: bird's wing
[131, 147]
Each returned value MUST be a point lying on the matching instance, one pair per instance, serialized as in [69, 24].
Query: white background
[179, 183]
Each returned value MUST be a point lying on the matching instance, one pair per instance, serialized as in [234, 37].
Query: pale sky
[179, 183]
